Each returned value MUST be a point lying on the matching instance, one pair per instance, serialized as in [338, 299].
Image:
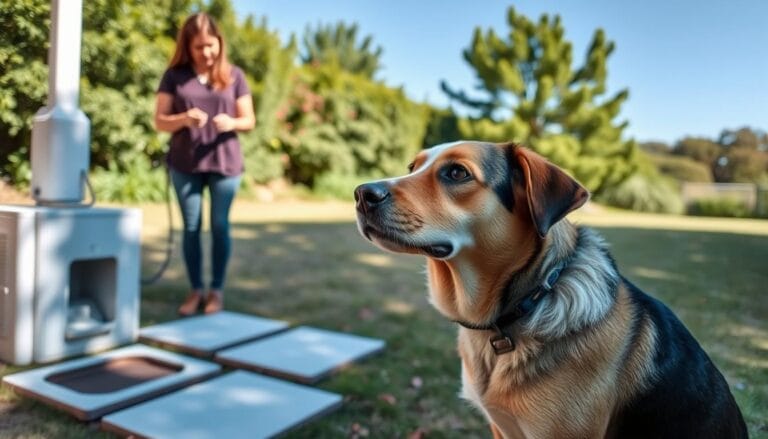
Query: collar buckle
[501, 343]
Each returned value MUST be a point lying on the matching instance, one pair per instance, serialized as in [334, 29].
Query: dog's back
[687, 396]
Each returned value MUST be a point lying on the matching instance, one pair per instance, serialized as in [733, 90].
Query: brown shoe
[214, 302]
[191, 304]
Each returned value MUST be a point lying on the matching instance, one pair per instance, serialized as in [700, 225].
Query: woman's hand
[196, 117]
[224, 122]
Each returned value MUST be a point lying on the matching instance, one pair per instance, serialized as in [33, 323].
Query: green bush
[338, 186]
[682, 168]
[762, 202]
[442, 126]
[723, 207]
[644, 193]
[136, 184]
[334, 122]
[263, 162]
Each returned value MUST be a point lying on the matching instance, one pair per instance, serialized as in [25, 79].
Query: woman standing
[204, 101]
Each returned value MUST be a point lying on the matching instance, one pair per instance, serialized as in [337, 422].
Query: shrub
[337, 123]
[645, 193]
[338, 186]
[263, 162]
[137, 184]
[724, 207]
[682, 168]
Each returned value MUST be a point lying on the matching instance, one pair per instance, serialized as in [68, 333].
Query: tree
[342, 124]
[655, 147]
[682, 168]
[742, 165]
[743, 158]
[442, 127]
[744, 137]
[337, 45]
[24, 28]
[700, 149]
[532, 95]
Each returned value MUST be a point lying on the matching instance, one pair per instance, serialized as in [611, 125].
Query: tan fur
[535, 388]
[526, 393]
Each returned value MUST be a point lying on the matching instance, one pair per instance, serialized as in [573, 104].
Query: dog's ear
[551, 193]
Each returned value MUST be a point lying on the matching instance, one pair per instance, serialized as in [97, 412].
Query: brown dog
[554, 342]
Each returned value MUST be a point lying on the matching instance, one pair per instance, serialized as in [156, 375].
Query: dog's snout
[370, 195]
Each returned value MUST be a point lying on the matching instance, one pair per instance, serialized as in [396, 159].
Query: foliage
[337, 122]
[533, 95]
[682, 168]
[141, 182]
[742, 165]
[655, 147]
[744, 137]
[738, 156]
[338, 186]
[121, 126]
[722, 207]
[337, 45]
[23, 77]
[124, 43]
[702, 150]
[644, 193]
[442, 127]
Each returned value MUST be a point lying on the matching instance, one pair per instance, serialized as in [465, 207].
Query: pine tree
[533, 95]
[337, 45]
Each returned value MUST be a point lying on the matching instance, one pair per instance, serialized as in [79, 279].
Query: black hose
[169, 249]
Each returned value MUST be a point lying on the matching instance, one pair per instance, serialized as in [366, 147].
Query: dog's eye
[411, 166]
[457, 173]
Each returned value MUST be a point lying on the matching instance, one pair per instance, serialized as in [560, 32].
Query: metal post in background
[61, 132]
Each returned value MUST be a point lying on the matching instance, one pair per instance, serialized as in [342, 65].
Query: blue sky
[692, 67]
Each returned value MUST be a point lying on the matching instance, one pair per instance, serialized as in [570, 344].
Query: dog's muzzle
[373, 202]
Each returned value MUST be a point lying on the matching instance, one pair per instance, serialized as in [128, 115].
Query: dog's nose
[370, 195]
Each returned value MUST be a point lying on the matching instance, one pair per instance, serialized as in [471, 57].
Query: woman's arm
[165, 121]
[244, 119]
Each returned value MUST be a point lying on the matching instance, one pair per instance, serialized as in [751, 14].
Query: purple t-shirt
[204, 149]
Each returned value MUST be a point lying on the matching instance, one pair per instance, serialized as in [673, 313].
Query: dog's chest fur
[563, 388]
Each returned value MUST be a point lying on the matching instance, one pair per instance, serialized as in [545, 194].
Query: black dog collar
[502, 341]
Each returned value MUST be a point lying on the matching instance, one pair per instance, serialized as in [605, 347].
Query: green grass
[305, 263]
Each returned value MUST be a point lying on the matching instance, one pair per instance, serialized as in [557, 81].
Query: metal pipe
[61, 132]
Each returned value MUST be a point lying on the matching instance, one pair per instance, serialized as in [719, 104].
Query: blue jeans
[189, 192]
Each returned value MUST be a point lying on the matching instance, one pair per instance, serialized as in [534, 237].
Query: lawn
[305, 263]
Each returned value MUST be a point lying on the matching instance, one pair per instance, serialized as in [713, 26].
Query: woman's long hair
[193, 26]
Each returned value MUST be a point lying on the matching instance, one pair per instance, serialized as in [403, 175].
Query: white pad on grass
[235, 405]
[92, 386]
[302, 354]
[205, 334]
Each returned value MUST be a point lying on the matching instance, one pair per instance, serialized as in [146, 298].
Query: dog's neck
[463, 291]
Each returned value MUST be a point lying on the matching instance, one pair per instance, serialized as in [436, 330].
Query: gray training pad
[93, 386]
[203, 335]
[302, 354]
[236, 405]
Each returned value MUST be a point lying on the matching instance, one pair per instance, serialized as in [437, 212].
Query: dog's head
[466, 196]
